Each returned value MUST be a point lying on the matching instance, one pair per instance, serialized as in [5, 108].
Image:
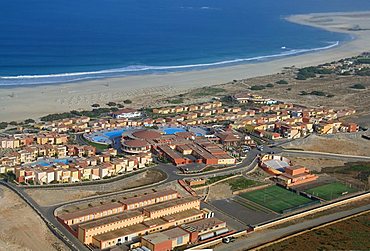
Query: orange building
[91, 213]
[170, 207]
[295, 175]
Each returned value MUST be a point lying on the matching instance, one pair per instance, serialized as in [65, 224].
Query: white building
[126, 113]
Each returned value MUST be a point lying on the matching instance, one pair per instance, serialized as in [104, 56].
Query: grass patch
[240, 183]
[217, 178]
[358, 86]
[208, 91]
[276, 198]
[257, 87]
[317, 93]
[175, 101]
[97, 145]
[357, 170]
[282, 82]
[331, 191]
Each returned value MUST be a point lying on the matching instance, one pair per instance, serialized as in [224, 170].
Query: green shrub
[358, 86]
[111, 104]
[282, 82]
[257, 87]
[3, 125]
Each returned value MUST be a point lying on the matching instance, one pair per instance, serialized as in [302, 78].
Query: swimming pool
[173, 130]
[46, 163]
[114, 134]
[100, 139]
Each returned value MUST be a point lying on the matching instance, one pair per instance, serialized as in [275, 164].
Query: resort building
[135, 146]
[207, 227]
[166, 240]
[296, 175]
[126, 220]
[91, 213]
[149, 199]
[126, 113]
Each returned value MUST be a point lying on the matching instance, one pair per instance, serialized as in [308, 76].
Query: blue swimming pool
[115, 133]
[99, 139]
[173, 130]
[50, 162]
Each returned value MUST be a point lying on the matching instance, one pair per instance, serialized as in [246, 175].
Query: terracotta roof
[135, 143]
[147, 134]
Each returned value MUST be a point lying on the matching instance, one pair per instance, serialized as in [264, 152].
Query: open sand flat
[35, 101]
[351, 144]
[21, 228]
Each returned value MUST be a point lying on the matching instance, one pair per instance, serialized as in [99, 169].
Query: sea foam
[138, 69]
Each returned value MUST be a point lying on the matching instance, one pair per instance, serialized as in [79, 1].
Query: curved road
[47, 213]
[259, 238]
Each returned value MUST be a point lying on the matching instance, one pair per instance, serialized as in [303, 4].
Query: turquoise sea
[56, 41]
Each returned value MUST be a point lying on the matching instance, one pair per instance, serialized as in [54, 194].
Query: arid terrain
[351, 234]
[21, 228]
[46, 196]
[316, 164]
[350, 144]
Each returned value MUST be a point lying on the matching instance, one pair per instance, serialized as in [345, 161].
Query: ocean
[58, 41]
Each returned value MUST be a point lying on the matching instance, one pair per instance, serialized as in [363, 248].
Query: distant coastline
[62, 78]
[16, 103]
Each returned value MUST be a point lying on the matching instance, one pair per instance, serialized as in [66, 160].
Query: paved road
[325, 155]
[47, 213]
[258, 238]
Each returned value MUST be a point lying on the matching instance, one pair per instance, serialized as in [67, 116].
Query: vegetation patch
[350, 234]
[331, 191]
[358, 86]
[317, 93]
[217, 178]
[208, 91]
[257, 87]
[310, 72]
[94, 113]
[276, 198]
[175, 101]
[240, 183]
[357, 170]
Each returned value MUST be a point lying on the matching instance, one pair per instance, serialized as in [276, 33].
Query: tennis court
[277, 199]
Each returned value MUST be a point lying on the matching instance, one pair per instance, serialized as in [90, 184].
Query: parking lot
[248, 216]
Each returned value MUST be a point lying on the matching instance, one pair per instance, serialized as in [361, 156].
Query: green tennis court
[276, 198]
[331, 191]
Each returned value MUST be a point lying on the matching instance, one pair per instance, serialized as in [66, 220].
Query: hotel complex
[156, 219]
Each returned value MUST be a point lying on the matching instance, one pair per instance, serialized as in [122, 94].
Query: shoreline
[22, 102]
[161, 70]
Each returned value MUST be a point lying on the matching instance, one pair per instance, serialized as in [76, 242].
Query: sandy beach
[34, 101]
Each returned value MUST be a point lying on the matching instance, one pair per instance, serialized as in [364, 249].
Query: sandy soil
[220, 191]
[351, 144]
[351, 234]
[316, 164]
[32, 102]
[46, 197]
[20, 226]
